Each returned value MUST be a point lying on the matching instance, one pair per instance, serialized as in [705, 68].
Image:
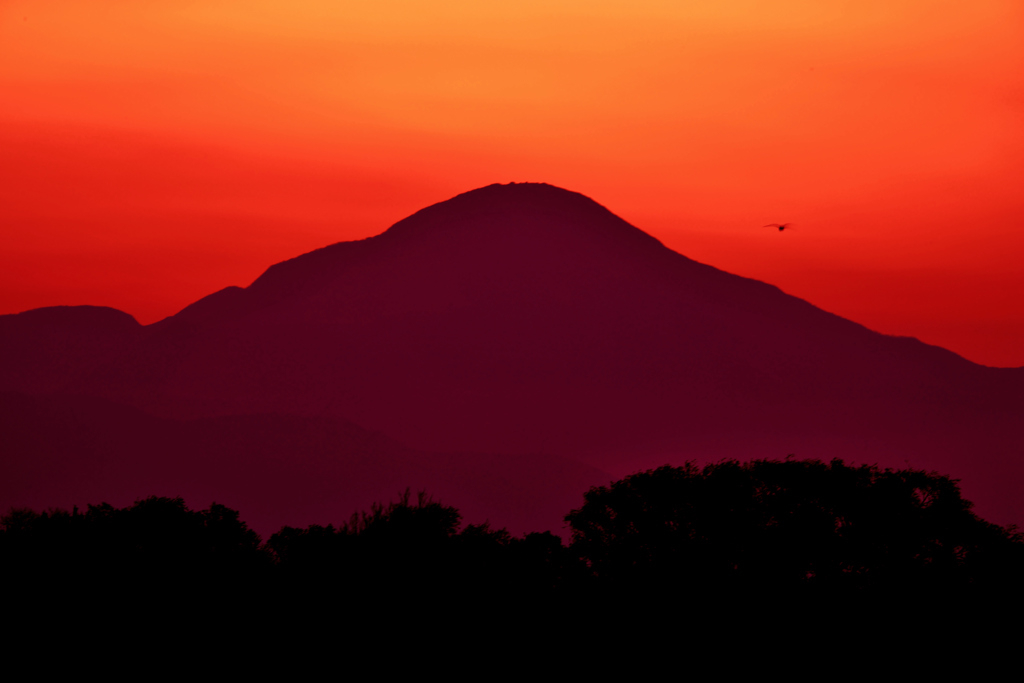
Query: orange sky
[153, 152]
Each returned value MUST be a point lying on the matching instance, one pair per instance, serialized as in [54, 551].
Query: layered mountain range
[538, 340]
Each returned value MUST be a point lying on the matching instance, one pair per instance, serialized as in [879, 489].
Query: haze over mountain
[524, 319]
[278, 469]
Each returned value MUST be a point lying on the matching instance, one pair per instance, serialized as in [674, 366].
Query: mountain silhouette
[524, 319]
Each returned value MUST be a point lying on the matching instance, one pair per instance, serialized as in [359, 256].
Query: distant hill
[527, 319]
[50, 349]
[278, 469]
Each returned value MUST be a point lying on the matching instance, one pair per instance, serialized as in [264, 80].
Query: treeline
[730, 533]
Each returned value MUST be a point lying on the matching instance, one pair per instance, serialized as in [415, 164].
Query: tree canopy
[721, 534]
[790, 525]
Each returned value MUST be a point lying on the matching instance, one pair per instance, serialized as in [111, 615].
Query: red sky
[153, 152]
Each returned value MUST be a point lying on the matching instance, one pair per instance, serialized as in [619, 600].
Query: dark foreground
[681, 552]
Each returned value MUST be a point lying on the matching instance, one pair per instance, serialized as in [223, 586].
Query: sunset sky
[154, 152]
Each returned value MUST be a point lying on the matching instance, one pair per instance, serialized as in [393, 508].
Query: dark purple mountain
[525, 319]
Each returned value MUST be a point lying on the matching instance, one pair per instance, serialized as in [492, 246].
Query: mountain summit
[508, 227]
[526, 319]
[520, 210]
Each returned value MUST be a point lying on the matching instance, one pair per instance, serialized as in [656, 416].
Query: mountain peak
[514, 228]
[519, 209]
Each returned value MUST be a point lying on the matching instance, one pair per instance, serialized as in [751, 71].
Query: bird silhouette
[780, 226]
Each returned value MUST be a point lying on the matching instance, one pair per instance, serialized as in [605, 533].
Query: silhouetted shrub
[408, 550]
[790, 528]
[154, 552]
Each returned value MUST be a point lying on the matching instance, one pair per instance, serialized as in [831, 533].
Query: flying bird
[780, 226]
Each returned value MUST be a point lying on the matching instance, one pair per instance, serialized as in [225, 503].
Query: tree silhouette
[415, 550]
[152, 555]
[790, 527]
[740, 536]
